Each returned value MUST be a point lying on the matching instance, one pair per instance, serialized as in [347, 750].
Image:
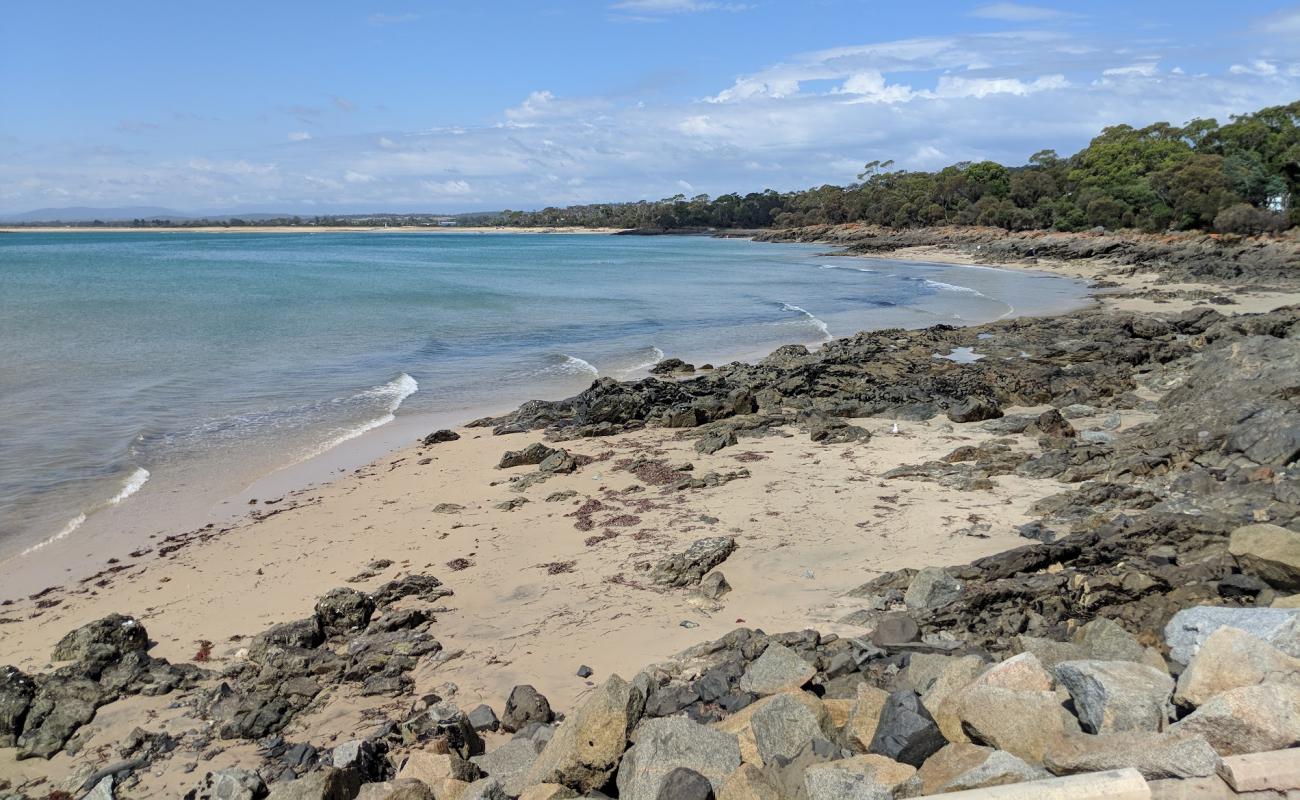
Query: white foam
[574, 366]
[848, 267]
[655, 359]
[816, 321]
[396, 390]
[949, 287]
[133, 484]
[72, 525]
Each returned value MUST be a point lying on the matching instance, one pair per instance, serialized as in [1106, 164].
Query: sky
[439, 106]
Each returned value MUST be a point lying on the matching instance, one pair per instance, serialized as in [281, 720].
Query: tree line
[1239, 177]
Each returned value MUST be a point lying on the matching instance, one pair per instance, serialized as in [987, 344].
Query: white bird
[894, 430]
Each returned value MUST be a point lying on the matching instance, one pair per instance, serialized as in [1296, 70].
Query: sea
[146, 377]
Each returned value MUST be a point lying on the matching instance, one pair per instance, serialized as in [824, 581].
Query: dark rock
[707, 445]
[974, 409]
[103, 640]
[685, 784]
[688, 567]
[1051, 423]
[483, 718]
[16, 693]
[670, 365]
[906, 731]
[532, 454]
[525, 706]
[1241, 586]
[63, 703]
[423, 587]
[584, 671]
[344, 610]
[439, 436]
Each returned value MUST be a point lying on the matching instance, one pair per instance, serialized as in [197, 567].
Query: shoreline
[544, 585]
[60, 559]
[308, 229]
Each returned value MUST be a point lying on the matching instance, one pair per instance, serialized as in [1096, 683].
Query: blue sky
[445, 106]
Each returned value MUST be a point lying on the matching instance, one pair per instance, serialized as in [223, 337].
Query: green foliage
[1240, 177]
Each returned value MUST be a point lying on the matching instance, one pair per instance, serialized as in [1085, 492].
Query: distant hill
[87, 214]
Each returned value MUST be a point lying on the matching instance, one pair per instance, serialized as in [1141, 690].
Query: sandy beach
[544, 583]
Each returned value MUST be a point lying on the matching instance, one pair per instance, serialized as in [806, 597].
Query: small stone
[584, 671]
[532, 454]
[483, 718]
[685, 784]
[777, 669]
[974, 409]
[525, 705]
[895, 628]
[437, 437]
[688, 567]
[712, 443]
[714, 585]
[906, 731]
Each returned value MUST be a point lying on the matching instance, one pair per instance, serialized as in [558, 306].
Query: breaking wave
[816, 322]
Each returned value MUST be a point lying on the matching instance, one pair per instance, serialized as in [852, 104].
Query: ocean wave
[949, 287]
[130, 486]
[572, 365]
[395, 392]
[133, 484]
[848, 267]
[654, 359]
[816, 322]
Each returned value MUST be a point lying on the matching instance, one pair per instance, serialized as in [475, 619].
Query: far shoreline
[306, 229]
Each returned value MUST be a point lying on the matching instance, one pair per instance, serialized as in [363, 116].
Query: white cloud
[1282, 23]
[299, 136]
[1015, 12]
[352, 176]
[957, 86]
[1257, 67]
[445, 188]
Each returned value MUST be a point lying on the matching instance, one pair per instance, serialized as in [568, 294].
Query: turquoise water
[138, 365]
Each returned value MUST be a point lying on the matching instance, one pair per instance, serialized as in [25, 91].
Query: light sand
[1181, 296]
[812, 521]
